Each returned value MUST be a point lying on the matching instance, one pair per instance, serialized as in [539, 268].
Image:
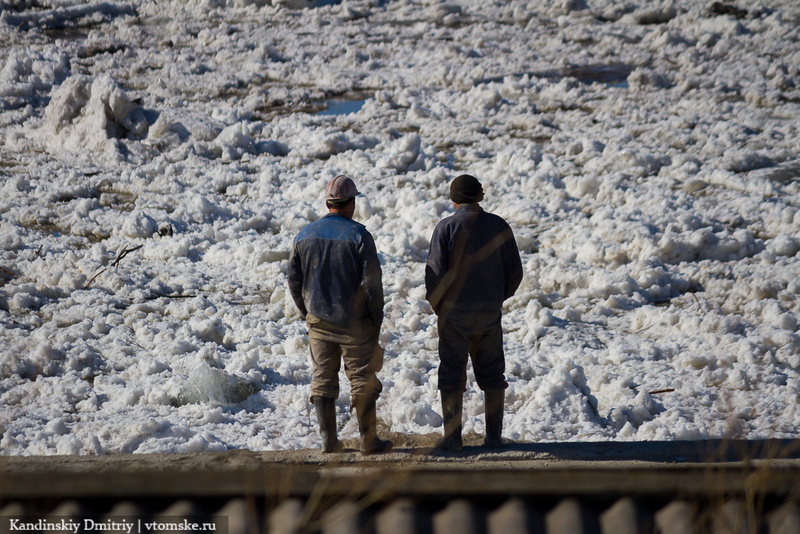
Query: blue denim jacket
[334, 272]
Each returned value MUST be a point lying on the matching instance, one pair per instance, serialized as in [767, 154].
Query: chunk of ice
[213, 386]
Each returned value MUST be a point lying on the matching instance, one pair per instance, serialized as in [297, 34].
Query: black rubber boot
[367, 427]
[494, 400]
[326, 415]
[451, 413]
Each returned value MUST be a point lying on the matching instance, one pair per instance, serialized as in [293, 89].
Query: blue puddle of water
[342, 107]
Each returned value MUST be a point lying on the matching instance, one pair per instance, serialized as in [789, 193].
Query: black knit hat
[466, 189]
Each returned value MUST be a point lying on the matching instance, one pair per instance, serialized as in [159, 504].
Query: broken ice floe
[66, 17]
[207, 385]
[86, 112]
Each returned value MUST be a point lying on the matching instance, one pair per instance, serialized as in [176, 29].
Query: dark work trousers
[475, 335]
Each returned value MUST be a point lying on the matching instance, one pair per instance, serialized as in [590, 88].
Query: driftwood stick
[101, 271]
[656, 392]
[119, 258]
[124, 253]
[12, 274]
[177, 296]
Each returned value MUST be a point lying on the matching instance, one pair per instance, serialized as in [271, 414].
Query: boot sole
[449, 447]
[384, 447]
[339, 447]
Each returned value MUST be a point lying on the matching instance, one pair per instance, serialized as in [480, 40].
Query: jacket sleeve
[436, 267]
[295, 279]
[513, 265]
[372, 282]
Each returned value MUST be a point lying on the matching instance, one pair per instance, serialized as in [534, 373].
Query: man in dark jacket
[473, 266]
[335, 281]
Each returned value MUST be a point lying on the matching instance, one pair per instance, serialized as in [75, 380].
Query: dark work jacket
[473, 262]
[334, 273]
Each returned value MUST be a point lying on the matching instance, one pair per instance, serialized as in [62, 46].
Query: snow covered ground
[158, 157]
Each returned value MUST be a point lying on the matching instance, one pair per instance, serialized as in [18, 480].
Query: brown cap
[341, 188]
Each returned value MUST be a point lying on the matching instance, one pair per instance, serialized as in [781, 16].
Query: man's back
[473, 262]
[334, 272]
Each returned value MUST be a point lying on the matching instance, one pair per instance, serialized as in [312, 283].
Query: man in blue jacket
[335, 281]
[473, 266]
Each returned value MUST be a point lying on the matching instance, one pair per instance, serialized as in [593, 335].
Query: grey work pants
[475, 335]
[359, 349]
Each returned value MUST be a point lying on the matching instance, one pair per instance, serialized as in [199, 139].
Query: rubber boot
[367, 427]
[451, 413]
[494, 400]
[326, 415]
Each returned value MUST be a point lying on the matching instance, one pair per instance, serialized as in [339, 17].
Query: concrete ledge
[653, 468]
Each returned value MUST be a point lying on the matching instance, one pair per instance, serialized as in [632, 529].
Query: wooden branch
[101, 271]
[119, 258]
[176, 296]
[656, 392]
[124, 253]
[12, 274]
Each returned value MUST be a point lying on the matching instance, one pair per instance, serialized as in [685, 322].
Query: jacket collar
[469, 207]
